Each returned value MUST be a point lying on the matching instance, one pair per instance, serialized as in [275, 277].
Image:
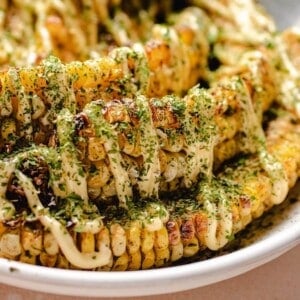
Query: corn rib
[184, 235]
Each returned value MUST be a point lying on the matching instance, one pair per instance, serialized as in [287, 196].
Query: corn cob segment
[190, 228]
[152, 67]
[72, 30]
[96, 127]
[145, 144]
[240, 27]
[237, 37]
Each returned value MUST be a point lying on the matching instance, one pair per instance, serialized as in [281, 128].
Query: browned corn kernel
[121, 262]
[173, 232]
[148, 259]
[201, 224]
[27, 258]
[133, 237]
[96, 151]
[189, 240]
[48, 260]
[50, 244]
[32, 240]
[191, 247]
[62, 262]
[87, 242]
[135, 260]
[10, 244]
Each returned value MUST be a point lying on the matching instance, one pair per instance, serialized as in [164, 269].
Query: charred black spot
[36, 169]
[213, 63]
[81, 121]
[16, 195]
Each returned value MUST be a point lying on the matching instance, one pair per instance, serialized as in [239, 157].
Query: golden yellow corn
[135, 247]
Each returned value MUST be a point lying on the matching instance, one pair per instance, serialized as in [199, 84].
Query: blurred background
[288, 16]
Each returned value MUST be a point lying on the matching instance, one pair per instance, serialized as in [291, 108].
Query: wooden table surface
[279, 279]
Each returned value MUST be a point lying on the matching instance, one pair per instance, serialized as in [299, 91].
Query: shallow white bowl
[265, 246]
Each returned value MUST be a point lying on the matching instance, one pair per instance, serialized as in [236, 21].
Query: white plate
[265, 246]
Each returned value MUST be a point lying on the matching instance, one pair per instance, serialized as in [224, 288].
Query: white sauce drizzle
[200, 139]
[57, 178]
[5, 99]
[149, 179]
[7, 209]
[290, 81]
[57, 182]
[74, 175]
[111, 146]
[251, 21]
[154, 217]
[58, 92]
[142, 73]
[122, 56]
[220, 221]
[254, 141]
[24, 104]
[63, 238]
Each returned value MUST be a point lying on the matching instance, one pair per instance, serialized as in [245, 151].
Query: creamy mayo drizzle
[154, 217]
[74, 175]
[58, 183]
[253, 24]
[58, 92]
[254, 141]
[63, 238]
[290, 81]
[200, 138]
[5, 99]
[149, 179]
[123, 56]
[24, 104]
[57, 178]
[142, 73]
[220, 222]
[7, 209]
[111, 145]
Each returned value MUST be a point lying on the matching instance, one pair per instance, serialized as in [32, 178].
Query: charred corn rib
[153, 67]
[288, 43]
[240, 27]
[72, 30]
[192, 224]
[245, 26]
[59, 180]
[151, 145]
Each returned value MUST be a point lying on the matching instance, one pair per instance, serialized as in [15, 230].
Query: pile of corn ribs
[164, 144]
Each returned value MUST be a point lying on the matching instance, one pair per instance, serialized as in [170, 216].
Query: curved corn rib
[154, 139]
[186, 232]
[152, 67]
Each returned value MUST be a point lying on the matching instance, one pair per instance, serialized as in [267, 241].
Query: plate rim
[134, 283]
